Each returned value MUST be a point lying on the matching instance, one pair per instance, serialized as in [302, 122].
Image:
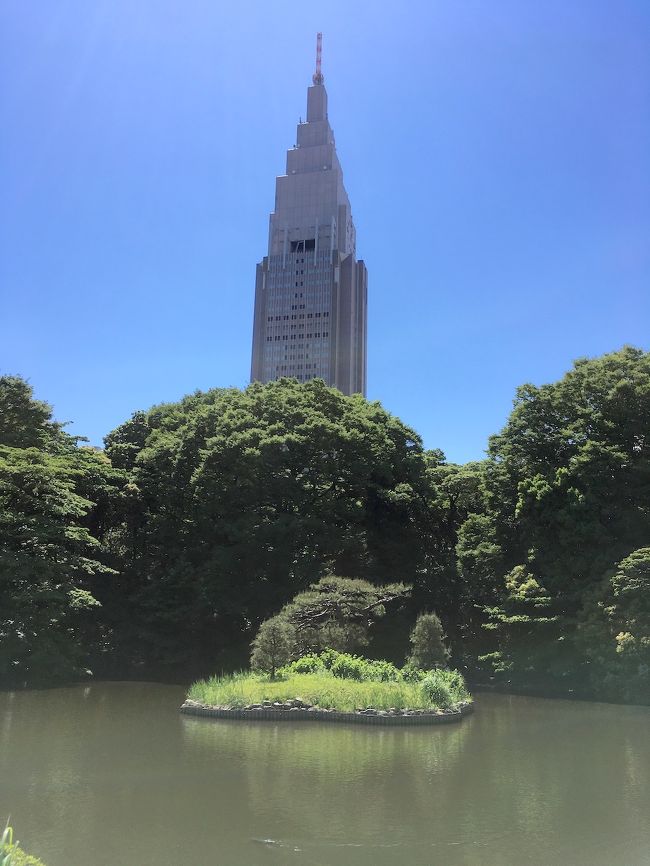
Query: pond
[111, 773]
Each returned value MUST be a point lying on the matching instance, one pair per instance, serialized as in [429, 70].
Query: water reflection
[112, 773]
[307, 777]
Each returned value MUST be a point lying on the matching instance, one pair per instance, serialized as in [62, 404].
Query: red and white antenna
[317, 77]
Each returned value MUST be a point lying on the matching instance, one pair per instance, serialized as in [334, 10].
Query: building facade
[310, 291]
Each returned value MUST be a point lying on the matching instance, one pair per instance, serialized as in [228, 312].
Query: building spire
[317, 77]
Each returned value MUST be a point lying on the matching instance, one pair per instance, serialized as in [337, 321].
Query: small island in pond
[335, 686]
[297, 673]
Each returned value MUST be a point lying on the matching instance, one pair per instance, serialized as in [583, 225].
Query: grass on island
[348, 684]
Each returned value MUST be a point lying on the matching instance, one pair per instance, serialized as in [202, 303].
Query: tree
[125, 443]
[529, 631]
[334, 613]
[24, 421]
[614, 630]
[48, 556]
[239, 500]
[566, 496]
[337, 612]
[452, 493]
[427, 639]
[273, 645]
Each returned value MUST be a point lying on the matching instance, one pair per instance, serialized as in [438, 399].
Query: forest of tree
[200, 519]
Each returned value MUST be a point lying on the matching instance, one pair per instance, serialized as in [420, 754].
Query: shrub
[344, 666]
[436, 691]
[411, 674]
[308, 664]
[349, 667]
[384, 672]
[428, 649]
[328, 657]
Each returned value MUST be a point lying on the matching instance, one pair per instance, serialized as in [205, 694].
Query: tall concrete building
[310, 291]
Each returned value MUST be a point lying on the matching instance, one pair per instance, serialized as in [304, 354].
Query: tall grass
[324, 690]
[11, 854]
[6, 844]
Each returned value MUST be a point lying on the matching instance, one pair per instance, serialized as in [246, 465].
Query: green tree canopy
[337, 612]
[240, 499]
[273, 645]
[566, 495]
[427, 639]
[614, 630]
[24, 421]
[48, 557]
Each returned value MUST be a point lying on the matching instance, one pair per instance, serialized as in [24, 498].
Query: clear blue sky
[497, 157]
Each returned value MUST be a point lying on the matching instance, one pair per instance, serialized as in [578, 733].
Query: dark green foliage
[48, 556]
[125, 443]
[530, 635]
[24, 421]
[337, 613]
[566, 496]
[238, 500]
[205, 516]
[614, 630]
[427, 639]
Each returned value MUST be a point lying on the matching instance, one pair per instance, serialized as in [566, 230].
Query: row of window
[314, 284]
[302, 378]
[279, 337]
[300, 316]
[292, 367]
[294, 327]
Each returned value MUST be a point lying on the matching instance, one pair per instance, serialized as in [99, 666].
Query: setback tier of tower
[311, 292]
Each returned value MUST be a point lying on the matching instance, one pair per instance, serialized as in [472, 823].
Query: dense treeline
[203, 518]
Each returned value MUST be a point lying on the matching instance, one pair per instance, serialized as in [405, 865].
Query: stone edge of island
[299, 714]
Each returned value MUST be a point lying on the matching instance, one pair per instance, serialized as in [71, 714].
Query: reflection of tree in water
[318, 780]
[522, 778]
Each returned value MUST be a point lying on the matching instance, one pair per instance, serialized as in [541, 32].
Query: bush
[344, 666]
[349, 667]
[436, 691]
[411, 674]
[308, 664]
[384, 672]
[442, 686]
[328, 657]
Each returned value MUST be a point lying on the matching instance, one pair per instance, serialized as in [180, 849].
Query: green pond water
[111, 773]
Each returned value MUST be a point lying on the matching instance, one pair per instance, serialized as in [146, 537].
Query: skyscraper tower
[310, 291]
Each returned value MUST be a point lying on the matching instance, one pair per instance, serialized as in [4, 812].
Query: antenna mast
[317, 77]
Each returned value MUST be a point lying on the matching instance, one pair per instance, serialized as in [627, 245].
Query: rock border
[296, 714]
